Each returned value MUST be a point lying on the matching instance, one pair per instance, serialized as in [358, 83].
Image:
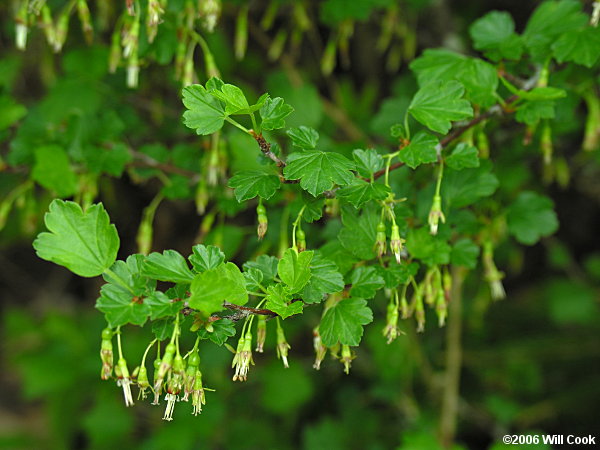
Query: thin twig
[265, 147]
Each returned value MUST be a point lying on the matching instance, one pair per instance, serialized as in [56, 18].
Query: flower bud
[492, 275]
[347, 357]
[47, 24]
[320, 349]
[106, 354]
[380, 240]
[144, 235]
[441, 308]
[153, 18]
[143, 382]
[263, 221]
[190, 374]
[595, 18]
[133, 70]
[390, 331]
[164, 367]
[546, 143]
[404, 309]
[300, 240]
[114, 56]
[435, 214]
[419, 309]
[61, 30]
[209, 12]
[282, 346]
[241, 33]
[21, 28]
[261, 333]
[86, 23]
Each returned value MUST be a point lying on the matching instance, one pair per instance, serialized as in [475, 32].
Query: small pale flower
[390, 331]
[380, 240]
[198, 397]
[171, 400]
[320, 349]
[436, 215]
[347, 357]
[396, 243]
[243, 358]
[282, 346]
[124, 381]
[261, 333]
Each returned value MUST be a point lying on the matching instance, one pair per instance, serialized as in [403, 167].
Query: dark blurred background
[531, 361]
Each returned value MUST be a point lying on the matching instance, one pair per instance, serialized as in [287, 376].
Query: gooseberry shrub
[391, 228]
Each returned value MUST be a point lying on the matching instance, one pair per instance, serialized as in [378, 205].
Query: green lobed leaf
[325, 278]
[495, 35]
[52, 170]
[266, 264]
[365, 282]
[432, 250]
[465, 187]
[111, 160]
[83, 242]
[437, 104]
[422, 149]
[254, 278]
[161, 305]
[313, 207]
[548, 22]
[344, 322]
[223, 329]
[361, 192]
[463, 156]
[318, 171]
[579, 46]
[367, 161]
[303, 137]
[279, 300]
[163, 328]
[397, 274]
[464, 253]
[205, 113]
[169, 266]
[234, 99]
[479, 78]
[294, 269]
[530, 112]
[250, 183]
[273, 113]
[123, 299]
[358, 233]
[206, 257]
[211, 288]
[530, 217]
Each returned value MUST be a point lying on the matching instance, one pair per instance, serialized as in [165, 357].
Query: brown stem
[265, 147]
[451, 389]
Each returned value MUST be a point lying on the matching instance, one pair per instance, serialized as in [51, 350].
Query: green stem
[238, 125]
[254, 124]
[295, 225]
[146, 352]
[118, 333]
[438, 185]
